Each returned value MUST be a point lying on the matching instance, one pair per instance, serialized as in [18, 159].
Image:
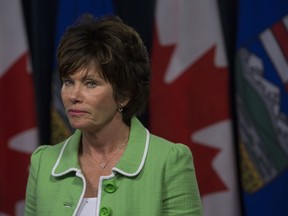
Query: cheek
[64, 96]
[107, 102]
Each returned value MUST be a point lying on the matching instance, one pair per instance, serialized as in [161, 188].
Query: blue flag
[68, 12]
[261, 79]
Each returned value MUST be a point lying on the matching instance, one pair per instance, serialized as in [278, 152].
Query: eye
[67, 82]
[91, 83]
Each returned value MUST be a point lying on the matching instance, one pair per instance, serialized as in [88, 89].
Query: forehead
[89, 72]
[84, 67]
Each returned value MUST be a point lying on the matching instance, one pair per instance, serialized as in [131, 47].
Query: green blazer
[153, 177]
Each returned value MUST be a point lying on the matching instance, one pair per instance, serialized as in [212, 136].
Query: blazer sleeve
[181, 194]
[30, 200]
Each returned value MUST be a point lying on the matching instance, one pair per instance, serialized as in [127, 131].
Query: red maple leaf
[195, 100]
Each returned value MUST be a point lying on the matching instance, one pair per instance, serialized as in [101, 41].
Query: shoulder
[157, 144]
[166, 152]
[48, 152]
[48, 149]
[165, 146]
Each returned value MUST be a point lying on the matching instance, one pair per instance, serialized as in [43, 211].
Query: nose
[75, 95]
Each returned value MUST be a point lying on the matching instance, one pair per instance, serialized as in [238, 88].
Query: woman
[111, 165]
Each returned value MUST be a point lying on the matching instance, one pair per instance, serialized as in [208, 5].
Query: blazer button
[110, 187]
[105, 211]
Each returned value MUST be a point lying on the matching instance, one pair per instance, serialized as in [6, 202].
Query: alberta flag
[18, 131]
[262, 105]
[190, 96]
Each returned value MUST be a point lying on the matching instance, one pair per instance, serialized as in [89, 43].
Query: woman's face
[88, 100]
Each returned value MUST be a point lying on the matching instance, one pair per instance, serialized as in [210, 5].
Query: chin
[78, 125]
[82, 127]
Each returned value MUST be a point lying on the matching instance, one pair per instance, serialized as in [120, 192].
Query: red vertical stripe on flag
[281, 34]
[18, 133]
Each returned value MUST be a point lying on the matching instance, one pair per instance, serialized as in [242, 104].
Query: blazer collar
[67, 160]
[130, 164]
[133, 159]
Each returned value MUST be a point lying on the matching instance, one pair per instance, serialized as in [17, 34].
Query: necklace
[105, 163]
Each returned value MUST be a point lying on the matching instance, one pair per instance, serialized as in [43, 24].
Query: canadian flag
[190, 96]
[18, 132]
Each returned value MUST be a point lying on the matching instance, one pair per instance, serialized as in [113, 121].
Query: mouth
[76, 112]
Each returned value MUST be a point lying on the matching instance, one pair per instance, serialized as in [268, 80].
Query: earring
[120, 108]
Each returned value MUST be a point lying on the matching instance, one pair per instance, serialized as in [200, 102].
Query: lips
[76, 112]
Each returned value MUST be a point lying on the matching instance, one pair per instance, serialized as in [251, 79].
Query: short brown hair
[116, 49]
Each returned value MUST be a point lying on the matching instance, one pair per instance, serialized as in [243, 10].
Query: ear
[122, 99]
[124, 102]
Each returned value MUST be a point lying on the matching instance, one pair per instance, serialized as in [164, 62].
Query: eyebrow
[92, 76]
[88, 75]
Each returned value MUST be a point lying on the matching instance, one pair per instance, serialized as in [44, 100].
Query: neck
[106, 141]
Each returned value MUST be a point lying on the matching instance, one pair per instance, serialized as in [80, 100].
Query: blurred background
[219, 85]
